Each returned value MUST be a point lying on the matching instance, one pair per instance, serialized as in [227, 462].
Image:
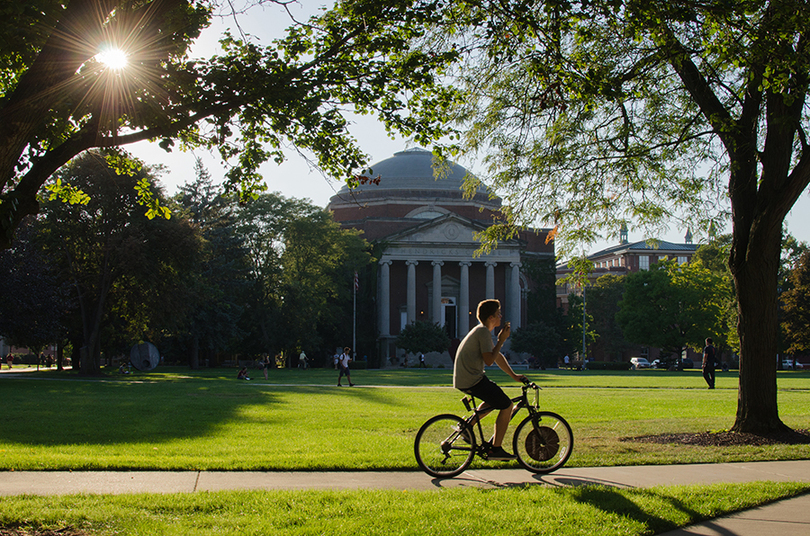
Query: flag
[356, 282]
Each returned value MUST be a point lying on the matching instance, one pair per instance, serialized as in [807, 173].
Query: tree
[217, 286]
[603, 305]
[58, 98]
[670, 306]
[34, 298]
[540, 340]
[592, 113]
[301, 270]
[579, 328]
[796, 307]
[423, 337]
[120, 263]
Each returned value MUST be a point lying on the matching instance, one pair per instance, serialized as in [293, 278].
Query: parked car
[687, 363]
[789, 364]
[639, 362]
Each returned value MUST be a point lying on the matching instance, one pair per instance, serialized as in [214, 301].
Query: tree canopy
[58, 98]
[590, 114]
[670, 306]
[423, 337]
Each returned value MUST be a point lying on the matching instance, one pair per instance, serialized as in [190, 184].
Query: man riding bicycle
[474, 353]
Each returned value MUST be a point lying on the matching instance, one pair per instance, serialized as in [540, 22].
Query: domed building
[428, 268]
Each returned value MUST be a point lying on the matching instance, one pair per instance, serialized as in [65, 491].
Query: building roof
[410, 174]
[642, 246]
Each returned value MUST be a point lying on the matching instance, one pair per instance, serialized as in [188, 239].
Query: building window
[644, 262]
[682, 260]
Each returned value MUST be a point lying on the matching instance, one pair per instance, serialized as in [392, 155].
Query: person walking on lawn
[474, 353]
[343, 365]
[709, 362]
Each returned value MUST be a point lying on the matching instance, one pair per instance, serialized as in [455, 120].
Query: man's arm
[500, 359]
[491, 357]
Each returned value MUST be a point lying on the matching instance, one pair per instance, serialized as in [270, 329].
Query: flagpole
[354, 315]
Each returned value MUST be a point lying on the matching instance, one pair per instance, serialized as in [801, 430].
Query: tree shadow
[82, 411]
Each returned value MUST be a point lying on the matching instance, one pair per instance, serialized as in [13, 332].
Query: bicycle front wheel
[543, 442]
[444, 446]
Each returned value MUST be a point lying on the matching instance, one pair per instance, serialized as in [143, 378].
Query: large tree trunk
[756, 284]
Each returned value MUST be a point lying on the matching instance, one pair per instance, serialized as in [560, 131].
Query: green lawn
[174, 419]
[533, 510]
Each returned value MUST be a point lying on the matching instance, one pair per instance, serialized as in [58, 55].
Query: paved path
[785, 518]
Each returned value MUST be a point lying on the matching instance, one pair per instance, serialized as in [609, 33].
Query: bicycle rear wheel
[544, 445]
[444, 446]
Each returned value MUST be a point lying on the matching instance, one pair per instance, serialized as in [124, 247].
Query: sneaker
[497, 453]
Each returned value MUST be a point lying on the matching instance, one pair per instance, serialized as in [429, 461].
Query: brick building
[429, 269]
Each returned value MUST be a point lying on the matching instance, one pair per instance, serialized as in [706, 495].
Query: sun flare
[113, 58]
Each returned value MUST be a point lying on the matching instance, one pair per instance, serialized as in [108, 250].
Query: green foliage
[574, 326]
[714, 258]
[246, 103]
[796, 307]
[540, 340]
[124, 267]
[670, 306]
[35, 299]
[302, 266]
[603, 305]
[423, 337]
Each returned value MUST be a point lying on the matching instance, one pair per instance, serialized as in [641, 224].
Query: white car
[639, 362]
[789, 364]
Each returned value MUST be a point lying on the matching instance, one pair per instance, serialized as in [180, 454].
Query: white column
[514, 296]
[490, 279]
[437, 291]
[385, 298]
[411, 291]
[464, 299]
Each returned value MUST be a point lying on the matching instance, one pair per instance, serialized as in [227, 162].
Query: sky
[296, 178]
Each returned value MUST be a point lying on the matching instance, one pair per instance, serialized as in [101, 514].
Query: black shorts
[489, 392]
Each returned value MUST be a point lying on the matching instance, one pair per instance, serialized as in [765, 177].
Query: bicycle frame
[519, 402]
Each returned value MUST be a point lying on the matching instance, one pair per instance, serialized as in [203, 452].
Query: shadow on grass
[53, 413]
[614, 501]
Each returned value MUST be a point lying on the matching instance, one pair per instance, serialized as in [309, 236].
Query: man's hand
[505, 332]
[520, 378]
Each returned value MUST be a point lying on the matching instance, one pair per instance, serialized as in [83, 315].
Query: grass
[173, 419]
[531, 510]
[178, 420]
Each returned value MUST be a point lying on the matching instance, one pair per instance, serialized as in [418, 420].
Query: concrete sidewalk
[787, 518]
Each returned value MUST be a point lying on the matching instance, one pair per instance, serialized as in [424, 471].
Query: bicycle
[446, 444]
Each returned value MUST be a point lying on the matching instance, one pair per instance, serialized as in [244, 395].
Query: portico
[429, 267]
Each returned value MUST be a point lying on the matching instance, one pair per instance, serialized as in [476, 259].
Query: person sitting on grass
[242, 374]
[476, 352]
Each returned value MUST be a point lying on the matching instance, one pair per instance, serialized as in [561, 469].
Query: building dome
[410, 174]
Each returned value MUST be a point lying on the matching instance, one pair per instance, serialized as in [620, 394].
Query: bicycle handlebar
[527, 383]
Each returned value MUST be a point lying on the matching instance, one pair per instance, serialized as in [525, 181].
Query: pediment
[450, 228]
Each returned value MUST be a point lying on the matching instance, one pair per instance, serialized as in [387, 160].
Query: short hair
[486, 309]
[709, 340]
[346, 350]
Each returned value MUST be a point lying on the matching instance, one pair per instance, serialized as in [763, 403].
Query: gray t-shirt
[469, 366]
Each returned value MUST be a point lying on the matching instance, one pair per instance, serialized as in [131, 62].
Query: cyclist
[474, 353]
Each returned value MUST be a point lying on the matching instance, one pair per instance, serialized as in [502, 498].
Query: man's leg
[501, 425]
[706, 376]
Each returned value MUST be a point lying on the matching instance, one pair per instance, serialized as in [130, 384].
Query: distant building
[428, 269]
[620, 260]
[626, 258]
